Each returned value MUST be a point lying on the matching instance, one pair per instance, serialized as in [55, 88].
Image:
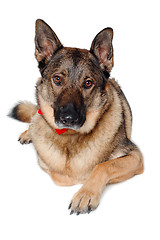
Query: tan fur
[88, 150]
[96, 149]
[79, 158]
[126, 109]
[25, 137]
[52, 148]
[26, 111]
[113, 171]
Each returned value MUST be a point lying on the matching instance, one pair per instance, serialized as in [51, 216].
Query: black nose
[68, 115]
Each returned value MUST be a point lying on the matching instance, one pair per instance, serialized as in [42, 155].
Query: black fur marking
[103, 84]
[106, 74]
[39, 47]
[42, 66]
[13, 113]
[76, 57]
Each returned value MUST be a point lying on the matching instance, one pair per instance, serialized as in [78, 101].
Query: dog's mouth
[69, 117]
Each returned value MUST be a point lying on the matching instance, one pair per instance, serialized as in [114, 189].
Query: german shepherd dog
[81, 125]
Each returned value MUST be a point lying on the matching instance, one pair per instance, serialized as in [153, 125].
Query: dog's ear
[46, 43]
[102, 48]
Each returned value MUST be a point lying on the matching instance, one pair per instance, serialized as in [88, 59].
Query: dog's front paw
[25, 138]
[84, 201]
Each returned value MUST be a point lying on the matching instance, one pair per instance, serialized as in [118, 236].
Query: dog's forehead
[74, 59]
[76, 55]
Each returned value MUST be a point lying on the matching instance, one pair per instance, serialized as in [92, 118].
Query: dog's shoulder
[127, 113]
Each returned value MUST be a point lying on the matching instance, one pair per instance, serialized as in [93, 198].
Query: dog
[81, 125]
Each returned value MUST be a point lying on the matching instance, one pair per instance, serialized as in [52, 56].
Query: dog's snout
[68, 115]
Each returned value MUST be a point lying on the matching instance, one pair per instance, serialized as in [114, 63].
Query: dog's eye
[87, 84]
[57, 80]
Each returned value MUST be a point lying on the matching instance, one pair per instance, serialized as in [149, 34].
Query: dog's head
[72, 90]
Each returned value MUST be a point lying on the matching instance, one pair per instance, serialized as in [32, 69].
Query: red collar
[58, 131]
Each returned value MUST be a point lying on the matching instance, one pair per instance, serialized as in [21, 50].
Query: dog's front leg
[25, 137]
[112, 171]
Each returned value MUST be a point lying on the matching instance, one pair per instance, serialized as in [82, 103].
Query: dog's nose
[68, 115]
[68, 119]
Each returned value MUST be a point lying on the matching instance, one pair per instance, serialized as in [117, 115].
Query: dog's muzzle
[69, 117]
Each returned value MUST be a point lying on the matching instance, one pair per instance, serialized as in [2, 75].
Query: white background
[31, 205]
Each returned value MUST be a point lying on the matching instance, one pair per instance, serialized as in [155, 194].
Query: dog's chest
[67, 161]
[76, 159]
